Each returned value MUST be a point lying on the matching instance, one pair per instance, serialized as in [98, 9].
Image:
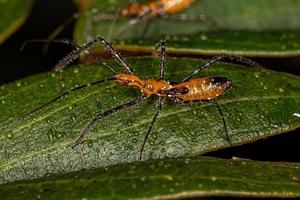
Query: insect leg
[111, 28]
[223, 120]
[239, 59]
[159, 107]
[115, 54]
[73, 55]
[104, 114]
[133, 22]
[162, 45]
[146, 27]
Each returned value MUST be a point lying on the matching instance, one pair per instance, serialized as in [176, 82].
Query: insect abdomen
[176, 6]
[204, 89]
[157, 7]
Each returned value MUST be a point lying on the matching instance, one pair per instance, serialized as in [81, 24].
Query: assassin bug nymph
[152, 9]
[156, 7]
[190, 89]
[137, 12]
[145, 11]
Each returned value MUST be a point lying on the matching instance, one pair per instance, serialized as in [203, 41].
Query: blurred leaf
[13, 13]
[168, 179]
[251, 44]
[260, 104]
[262, 28]
[83, 4]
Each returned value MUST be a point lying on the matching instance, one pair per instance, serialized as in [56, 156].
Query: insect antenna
[104, 114]
[62, 41]
[224, 122]
[59, 29]
[71, 90]
[239, 59]
[158, 109]
[73, 55]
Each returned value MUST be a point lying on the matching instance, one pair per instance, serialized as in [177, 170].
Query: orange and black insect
[139, 12]
[154, 8]
[190, 89]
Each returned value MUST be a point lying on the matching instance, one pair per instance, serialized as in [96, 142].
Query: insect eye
[126, 81]
[184, 90]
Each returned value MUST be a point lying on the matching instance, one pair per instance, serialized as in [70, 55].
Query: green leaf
[13, 13]
[260, 104]
[251, 44]
[168, 179]
[261, 28]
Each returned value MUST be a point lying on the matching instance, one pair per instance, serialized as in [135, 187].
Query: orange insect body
[156, 7]
[199, 89]
[148, 86]
[204, 88]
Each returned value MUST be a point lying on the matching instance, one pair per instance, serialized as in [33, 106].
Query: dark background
[46, 15]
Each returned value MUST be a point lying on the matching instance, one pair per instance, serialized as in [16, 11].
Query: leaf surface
[258, 28]
[168, 179]
[260, 104]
